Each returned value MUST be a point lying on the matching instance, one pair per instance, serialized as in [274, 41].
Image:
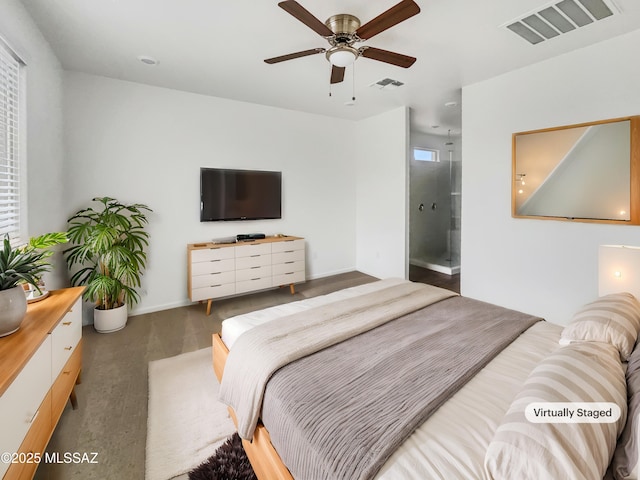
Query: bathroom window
[426, 155]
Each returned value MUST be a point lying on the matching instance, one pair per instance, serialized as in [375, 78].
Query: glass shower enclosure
[435, 204]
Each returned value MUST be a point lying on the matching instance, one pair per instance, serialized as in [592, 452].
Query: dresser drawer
[63, 384]
[253, 249]
[287, 245]
[214, 291]
[213, 266]
[253, 273]
[34, 443]
[288, 267]
[213, 279]
[65, 337]
[288, 278]
[253, 284]
[252, 261]
[20, 402]
[287, 256]
[208, 254]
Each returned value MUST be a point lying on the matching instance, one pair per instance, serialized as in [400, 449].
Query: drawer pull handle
[68, 348]
[34, 417]
[256, 279]
[66, 323]
[214, 286]
[66, 372]
[254, 256]
[288, 251]
[286, 263]
[253, 268]
[289, 273]
[212, 261]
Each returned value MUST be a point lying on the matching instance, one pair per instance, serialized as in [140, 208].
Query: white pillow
[580, 372]
[613, 319]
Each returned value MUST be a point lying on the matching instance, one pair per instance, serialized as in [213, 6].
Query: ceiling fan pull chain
[353, 83]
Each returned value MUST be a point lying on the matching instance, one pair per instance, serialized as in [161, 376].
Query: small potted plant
[20, 266]
[109, 253]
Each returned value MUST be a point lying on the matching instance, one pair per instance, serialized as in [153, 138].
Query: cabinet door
[34, 442]
[63, 384]
[65, 338]
[208, 254]
[288, 245]
[288, 256]
[253, 249]
[20, 403]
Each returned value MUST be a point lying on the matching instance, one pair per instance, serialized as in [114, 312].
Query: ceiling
[217, 48]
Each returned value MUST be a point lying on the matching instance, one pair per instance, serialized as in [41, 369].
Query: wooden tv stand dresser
[224, 269]
[39, 367]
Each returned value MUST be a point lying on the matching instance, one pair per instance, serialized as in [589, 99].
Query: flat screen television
[239, 194]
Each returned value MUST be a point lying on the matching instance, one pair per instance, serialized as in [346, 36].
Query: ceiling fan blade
[294, 8]
[291, 56]
[386, 56]
[393, 16]
[337, 74]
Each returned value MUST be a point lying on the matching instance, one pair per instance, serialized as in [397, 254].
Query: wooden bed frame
[264, 459]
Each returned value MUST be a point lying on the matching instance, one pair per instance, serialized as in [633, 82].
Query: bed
[476, 430]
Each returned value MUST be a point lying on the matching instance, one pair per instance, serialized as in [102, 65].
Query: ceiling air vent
[557, 18]
[387, 84]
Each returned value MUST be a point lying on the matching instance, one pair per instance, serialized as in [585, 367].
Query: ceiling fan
[342, 31]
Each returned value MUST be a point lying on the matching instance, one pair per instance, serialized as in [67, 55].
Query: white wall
[382, 191]
[543, 267]
[146, 144]
[44, 146]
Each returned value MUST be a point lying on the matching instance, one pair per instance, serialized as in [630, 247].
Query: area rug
[186, 422]
[229, 462]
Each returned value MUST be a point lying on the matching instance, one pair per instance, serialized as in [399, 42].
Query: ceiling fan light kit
[342, 31]
[342, 55]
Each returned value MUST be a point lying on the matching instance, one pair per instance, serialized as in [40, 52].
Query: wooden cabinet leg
[73, 399]
[209, 307]
[292, 287]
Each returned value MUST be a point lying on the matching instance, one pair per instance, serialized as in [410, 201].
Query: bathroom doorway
[434, 207]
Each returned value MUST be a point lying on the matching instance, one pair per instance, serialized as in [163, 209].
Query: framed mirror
[588, 172]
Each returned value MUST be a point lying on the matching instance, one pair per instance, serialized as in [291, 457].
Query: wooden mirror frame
[634, 171]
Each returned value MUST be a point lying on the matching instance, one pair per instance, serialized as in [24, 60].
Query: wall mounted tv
[239, 194]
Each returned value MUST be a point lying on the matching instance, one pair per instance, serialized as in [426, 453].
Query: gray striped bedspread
[341, 412]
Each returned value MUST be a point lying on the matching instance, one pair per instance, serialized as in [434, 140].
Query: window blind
[9, 146]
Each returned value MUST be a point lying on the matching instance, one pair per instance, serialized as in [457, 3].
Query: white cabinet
[217, 270]
[288, 264]
[39, 366]
[65, 338]
[19, 405]
[212, 273]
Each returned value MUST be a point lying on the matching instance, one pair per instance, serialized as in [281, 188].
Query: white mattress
[233, 327]
[452, 442]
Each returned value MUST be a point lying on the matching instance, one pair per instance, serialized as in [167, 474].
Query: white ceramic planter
[13, 307]
[107, 321]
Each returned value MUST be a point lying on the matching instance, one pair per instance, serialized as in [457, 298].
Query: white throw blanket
[258, 353]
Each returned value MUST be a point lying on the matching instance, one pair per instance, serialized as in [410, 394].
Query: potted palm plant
[20, 266]
[109, 256]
